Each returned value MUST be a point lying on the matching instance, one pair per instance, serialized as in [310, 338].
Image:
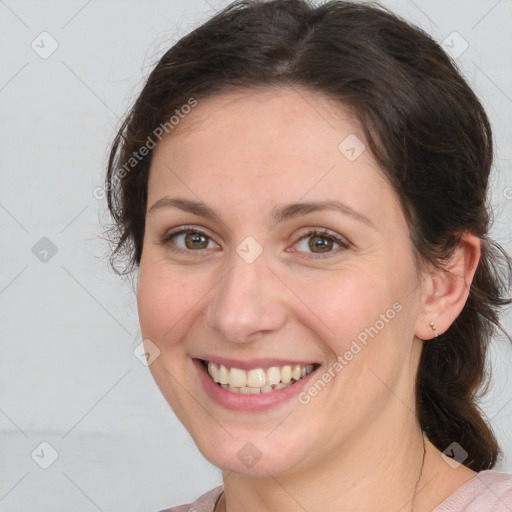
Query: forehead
[266, 147]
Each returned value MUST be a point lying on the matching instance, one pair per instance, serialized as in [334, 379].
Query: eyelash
[313, 232]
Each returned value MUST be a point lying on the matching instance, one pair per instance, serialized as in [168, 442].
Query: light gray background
[68, 374]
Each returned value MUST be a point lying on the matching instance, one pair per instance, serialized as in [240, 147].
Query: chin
[250, 455]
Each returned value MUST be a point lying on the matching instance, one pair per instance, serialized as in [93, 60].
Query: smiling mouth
[257, 380]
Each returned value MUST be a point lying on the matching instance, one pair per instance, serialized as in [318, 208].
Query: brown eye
[195, 241]
[188, 240]
[322, 243]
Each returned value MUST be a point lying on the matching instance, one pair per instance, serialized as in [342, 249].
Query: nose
[248, 302]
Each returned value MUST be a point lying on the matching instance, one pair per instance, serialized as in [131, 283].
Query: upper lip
[254, 363]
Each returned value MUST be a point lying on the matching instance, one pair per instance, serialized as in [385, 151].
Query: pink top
[487, 491]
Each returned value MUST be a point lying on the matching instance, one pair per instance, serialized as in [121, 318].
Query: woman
[303, 193]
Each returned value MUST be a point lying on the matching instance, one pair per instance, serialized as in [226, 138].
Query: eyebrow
[278, 214]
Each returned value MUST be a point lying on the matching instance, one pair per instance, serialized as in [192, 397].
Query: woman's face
[249, 284]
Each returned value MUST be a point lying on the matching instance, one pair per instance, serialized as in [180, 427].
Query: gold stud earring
[434, 328]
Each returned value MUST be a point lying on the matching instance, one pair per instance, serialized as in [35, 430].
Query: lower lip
[249, 402]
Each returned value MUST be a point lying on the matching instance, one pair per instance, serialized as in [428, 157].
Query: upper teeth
[258, 377]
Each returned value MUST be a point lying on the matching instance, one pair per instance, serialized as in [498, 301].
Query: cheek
[349, 303]
[163, 300]
[365, 322]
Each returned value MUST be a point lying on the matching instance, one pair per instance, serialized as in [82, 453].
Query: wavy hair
[424, 125]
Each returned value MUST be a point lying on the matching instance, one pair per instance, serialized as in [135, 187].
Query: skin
[357, 445]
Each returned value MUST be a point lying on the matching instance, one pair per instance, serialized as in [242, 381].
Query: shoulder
[487, 491]
[205, 503]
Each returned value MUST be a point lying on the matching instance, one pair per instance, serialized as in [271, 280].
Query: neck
[377, 471]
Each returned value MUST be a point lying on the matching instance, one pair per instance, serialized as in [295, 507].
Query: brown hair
[424, 125]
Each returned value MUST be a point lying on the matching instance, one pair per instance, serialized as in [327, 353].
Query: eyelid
[327, 233]
[186, 229]
[322, 231]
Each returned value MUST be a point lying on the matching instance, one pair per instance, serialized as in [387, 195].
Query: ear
[445, 291]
